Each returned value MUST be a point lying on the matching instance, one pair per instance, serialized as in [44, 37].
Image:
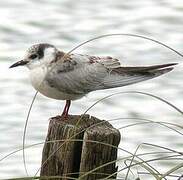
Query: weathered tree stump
[78, 145]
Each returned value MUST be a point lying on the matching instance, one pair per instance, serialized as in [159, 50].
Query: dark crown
[39, 49]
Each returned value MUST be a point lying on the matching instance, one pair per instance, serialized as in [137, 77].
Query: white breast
[37, 76]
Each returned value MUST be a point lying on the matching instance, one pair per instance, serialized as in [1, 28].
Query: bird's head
[37, 55]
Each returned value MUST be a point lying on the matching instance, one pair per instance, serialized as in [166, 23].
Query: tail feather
[142, 69]
[129, 75]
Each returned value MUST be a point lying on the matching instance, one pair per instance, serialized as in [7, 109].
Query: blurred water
[65, 24]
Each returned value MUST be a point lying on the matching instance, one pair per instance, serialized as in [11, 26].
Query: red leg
[66, 108]
[64, 111]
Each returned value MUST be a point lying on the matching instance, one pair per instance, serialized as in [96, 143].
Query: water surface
[67, 23]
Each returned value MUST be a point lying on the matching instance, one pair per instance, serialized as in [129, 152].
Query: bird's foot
[64, 116]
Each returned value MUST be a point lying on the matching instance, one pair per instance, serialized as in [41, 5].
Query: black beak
[19, 63]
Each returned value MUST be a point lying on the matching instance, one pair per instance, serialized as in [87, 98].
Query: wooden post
[96, 145]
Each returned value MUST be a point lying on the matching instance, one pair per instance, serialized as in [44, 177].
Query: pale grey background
[66, 23]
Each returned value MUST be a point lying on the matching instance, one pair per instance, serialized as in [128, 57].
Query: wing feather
[81, 74]
[127, 78]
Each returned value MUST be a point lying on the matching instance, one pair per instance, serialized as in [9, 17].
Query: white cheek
[34, 64]
[49, 54]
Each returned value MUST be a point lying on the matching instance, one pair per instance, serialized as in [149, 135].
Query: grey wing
[83, 74]
[123, 76]
[78, 75]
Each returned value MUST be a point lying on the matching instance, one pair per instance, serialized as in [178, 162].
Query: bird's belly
[51, 92]
[39, 83]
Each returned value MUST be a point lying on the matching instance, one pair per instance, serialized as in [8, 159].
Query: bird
[67, 76]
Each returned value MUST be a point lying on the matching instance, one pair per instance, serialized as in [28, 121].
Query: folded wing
[123, 76]
[83, 74]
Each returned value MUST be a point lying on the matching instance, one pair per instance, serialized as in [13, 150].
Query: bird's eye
[33, 56]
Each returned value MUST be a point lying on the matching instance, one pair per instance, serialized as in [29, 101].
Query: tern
[63, 76]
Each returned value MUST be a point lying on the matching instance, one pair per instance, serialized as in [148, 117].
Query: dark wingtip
[143, 69]
[165, 70]
[161, 66]
[171, 64]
